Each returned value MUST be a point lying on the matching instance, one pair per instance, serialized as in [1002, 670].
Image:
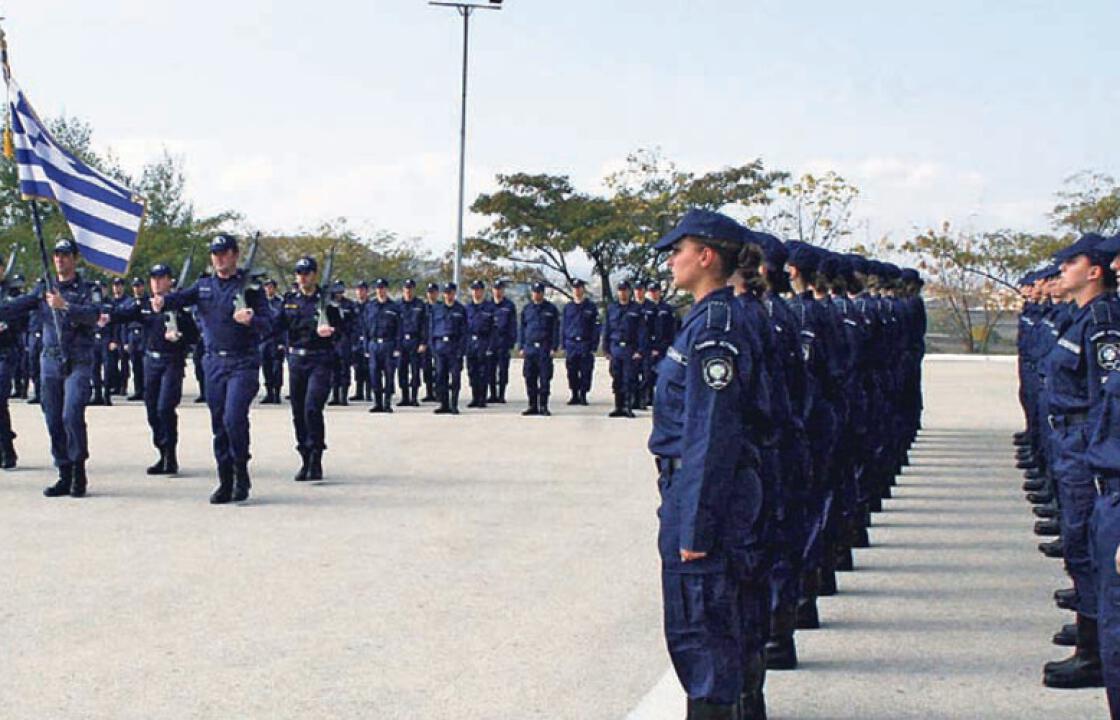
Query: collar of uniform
[1079, 312]
[724, 294]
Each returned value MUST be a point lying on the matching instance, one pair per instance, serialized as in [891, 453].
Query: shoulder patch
[718, 343]
[1108, 355]
[718, 372]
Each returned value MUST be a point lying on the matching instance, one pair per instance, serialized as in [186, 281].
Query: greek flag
[104, 216]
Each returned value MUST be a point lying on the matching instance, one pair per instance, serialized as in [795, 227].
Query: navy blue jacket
[214, 297]
[540, 326]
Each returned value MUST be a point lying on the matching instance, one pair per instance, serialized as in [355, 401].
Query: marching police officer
[167, 338]
[480, 343]
[115, 335]
[580, 331]
[272, 349]
[72, 307]
[343, 343]
[101, 337]
[414, 343]
[233, 317]
[448, 333]
[539, 336]
[624, 342]
[381, 328]
[712, 500]
[427, 358]
[505, 335]
[309, 323]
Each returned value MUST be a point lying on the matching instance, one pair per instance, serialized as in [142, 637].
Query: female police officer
[709, 405]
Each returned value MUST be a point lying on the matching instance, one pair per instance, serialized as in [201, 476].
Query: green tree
[815, 209]
[1089, 202]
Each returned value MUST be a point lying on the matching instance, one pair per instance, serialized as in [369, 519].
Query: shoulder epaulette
[719, 316]
[1102, 312]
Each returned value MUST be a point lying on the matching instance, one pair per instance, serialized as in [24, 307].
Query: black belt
[161, 355]
[1067, 420]
[1107, 485]
[668, 465]
[230, 353]
[305, 352]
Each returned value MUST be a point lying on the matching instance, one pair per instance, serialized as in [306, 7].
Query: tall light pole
[465, 10]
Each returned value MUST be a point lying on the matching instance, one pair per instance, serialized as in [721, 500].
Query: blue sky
[294, 112]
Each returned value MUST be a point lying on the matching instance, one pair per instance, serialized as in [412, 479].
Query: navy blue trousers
[232, 383]
[408, 364]
[382, 365]
[309, 384]
[1106, 537]
[537, 370]
[1078, 494]
[63, 401]
[163, 389]
[580, 364]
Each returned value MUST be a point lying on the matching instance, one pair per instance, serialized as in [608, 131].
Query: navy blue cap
[1084, 245]
[118, 281]
[892, 271]
[653, 285]
[578, 283]
[381, 283]
[774, 250]
[137, 282]
[623, 285]
[499, 284]
[433, 287]
[362, 285]
[803, 256]
[65, 246]
[1109, 246]
[910, 275]
[858, 263]
[223, 242]
[338, 286]
[160, 270]
[450, 287]
[538, 287]
[306, 265]
[1050, 271]
[478, 285]
[829, 265]
[271, 282]
[703, 224]
[409, 283]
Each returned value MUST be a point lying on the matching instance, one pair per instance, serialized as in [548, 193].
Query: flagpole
[36, 221]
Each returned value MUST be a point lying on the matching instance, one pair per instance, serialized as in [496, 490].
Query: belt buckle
[1102, 487]
[1052, 422]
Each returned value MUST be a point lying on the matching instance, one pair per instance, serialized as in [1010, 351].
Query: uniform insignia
[1108, 355]
[717, 373]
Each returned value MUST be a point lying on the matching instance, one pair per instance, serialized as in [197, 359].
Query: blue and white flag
[104, 216]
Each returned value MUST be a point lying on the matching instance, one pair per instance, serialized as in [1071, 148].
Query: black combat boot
[78, 486]
[752, 700]
[62, 486]
[342, 396]
[492, 396]
[844, 562]
[1065, 598]
[542, 406]
[828, 586]
[1026, 464]
[224, 491]
[334, 401]
[575, 398]
[704, 710]
[533, 409]
[1045, 511]
[1048, 527]
[1034, 474]
[1052, 549]
[1042, 497]
[405, 402]
[583, 397]
[501, 394]
[315, 465]
[454, 402]
[160, 466]
[10, 458]
[305, 458]
[170, 460]
[618, 403]
[241, 483]
[389, 402]
[1034, 485]
[378, 406]
[627, 407]
[781, 651]
[444, 404]
[1083, 668]
[1021, 438]
[1067, 636]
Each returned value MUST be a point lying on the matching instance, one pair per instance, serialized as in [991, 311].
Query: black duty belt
[162, 355]
[230, 353]
[1067, 420]
[306, 352]
[668, 465]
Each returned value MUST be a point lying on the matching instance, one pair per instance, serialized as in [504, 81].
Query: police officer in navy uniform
[381, 328]
[624, 342]
[481, 342]
[343, 343]
[709, 408]
[505, 336]
[644, 389]
[101, 337]
[427, 357]
[363, 390]
[33, 352]
[11, 351]
[66, 363]
[116, 374]
[539, 336]
[1078, 366]
[309, 324]
[414, 343]
[134, 342]
[663, 328]
[580, 330]
[166, 343]
[272, 349]
[232, 331]
[448, 332]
